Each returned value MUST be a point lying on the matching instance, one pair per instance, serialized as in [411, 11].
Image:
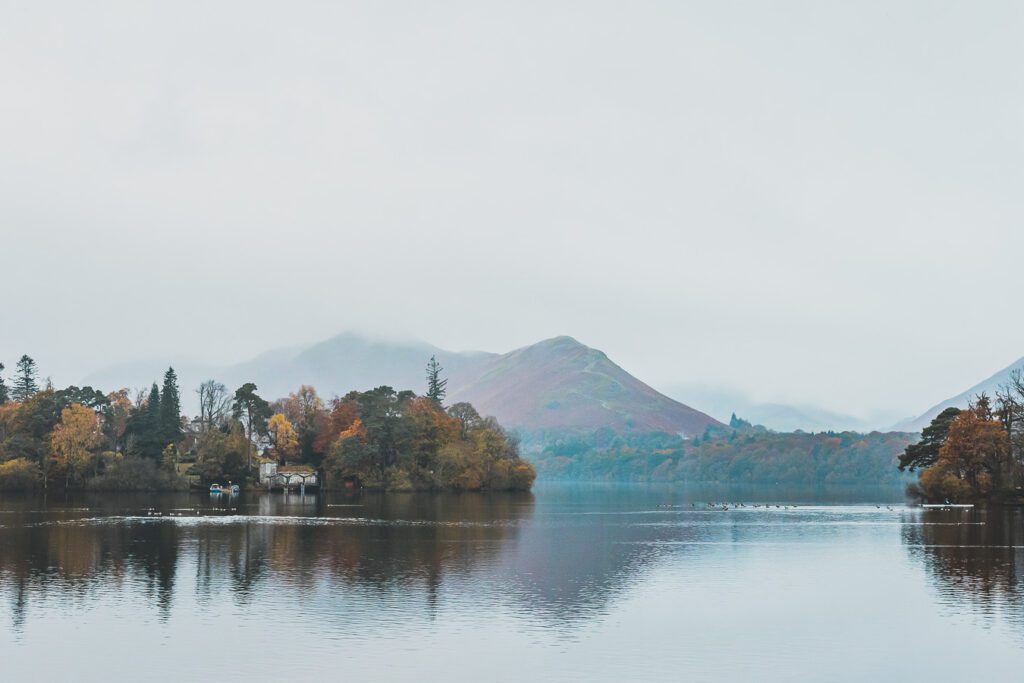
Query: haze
[811, 202]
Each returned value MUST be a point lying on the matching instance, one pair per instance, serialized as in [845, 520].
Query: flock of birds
[727, 506]
[153, 512]
[766, 506]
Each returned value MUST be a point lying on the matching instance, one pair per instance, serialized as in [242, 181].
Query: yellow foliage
[283, 437]
[75, 437]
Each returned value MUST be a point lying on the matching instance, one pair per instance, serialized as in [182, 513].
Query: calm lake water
[570, 583]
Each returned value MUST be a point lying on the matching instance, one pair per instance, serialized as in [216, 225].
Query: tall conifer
[152, 437]
[25, 384]
[4, 396]
[170, 409]
[435, 383]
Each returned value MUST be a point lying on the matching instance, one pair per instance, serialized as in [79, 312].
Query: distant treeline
[82, 438]
[738, 454]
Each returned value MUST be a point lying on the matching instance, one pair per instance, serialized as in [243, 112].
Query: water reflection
[291, 542]
[562, 567]
[587, 576]
[974, 557]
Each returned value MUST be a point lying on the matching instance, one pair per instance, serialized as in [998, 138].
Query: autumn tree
[925, 452]
[25, 380]
[221, 455]
[974, 461]
[253, 411]
[467, 416]
[29, 429]
[343, 412]
[432, 427]
[283, 438]
[353, 456]
[74, 439]
[305, 410]
[115, 418]
[435, 383]
[399, 441]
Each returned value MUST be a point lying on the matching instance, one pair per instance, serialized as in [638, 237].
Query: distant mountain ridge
[781, 417]
[554, 384]
[989, 386]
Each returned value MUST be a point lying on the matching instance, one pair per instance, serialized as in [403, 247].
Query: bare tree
[214, 405]
[1010, 410]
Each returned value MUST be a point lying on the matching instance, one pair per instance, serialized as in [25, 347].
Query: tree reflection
[274, 551]
[974, 557]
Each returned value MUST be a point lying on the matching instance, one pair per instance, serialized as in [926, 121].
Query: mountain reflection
[319, 553]
[974, 557]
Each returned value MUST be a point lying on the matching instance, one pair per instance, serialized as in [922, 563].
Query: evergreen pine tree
[25, 384]
[435, 384]
[170, 409]
[3, 387]
[152, 437]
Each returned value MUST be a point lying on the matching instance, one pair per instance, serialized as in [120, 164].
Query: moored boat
[216, 488]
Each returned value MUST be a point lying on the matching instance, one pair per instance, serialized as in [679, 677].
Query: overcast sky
[814, 202]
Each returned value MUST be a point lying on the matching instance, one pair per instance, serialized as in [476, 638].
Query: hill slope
[562, 384]
[988, 386]
[346, 362]
[554, 384]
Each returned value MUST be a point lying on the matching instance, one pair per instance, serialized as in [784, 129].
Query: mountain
[781, 417]
[560, 383]
[554, 384]
[988, 386]
[334, 366]
[346, 362]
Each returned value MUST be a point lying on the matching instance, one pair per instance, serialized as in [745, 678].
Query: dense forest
[973, 454]
[82, 438]
[738, 454]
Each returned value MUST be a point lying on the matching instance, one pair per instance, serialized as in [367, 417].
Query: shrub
[19, 474]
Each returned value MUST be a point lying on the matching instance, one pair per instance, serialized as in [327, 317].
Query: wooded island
[82, 438]
[975, 454]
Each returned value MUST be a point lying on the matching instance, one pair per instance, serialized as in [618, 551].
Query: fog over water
[805, 202]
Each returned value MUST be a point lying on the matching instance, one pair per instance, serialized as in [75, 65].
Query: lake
[572, 582]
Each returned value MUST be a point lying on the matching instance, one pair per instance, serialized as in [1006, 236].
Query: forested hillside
[735, 455]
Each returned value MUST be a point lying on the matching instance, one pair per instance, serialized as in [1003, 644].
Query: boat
[216, 488]
[946, 506]
[235, 489]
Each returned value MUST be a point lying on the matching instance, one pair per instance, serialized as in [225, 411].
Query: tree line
[976, 453]
[384, 439]
[740, 453]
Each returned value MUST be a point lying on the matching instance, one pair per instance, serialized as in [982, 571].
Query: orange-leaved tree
[975, 461]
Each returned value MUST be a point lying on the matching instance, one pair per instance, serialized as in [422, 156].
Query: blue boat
[216, 488]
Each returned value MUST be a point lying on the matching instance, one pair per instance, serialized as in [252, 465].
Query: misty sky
[814, 202]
